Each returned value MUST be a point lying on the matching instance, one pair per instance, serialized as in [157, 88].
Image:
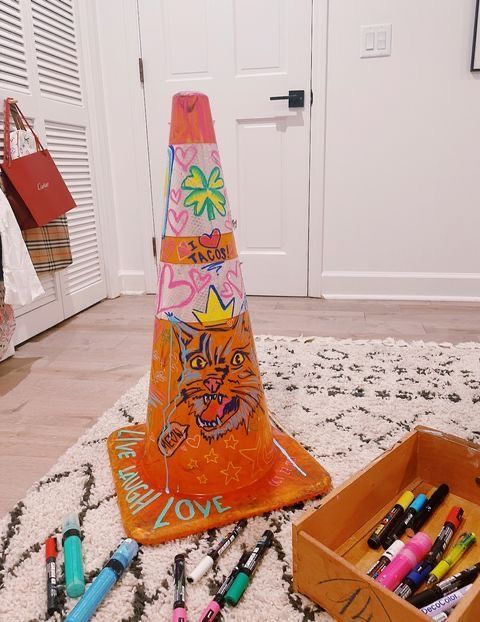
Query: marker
[241, 581]
[50, 558]
[409, 556]
[103, 583]
[441, 617]
[385, 559]
[465, 541]
[410, 513]
[445, 587]
[390, 520]
[179, 609]
[211, 557]
[428, 509]
[445, 604]
[72, 551]
[422, 571]
[213, 608]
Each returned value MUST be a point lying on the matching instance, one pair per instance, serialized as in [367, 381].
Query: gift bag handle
[11, 103]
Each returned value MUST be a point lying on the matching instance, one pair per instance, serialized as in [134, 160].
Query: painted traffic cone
[207, 454]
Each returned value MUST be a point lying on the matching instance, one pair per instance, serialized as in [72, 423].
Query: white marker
[211, 557]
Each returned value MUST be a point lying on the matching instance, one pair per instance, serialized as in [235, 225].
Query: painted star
[193, 464]
[231, 442]
[252, 455]
[231, 472]
[211, 456]
[202, 479]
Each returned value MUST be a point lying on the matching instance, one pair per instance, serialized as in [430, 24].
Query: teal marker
[242, 579]
[72, 552]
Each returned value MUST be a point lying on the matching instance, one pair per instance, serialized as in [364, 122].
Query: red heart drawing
[176, 195]
[210, 240]
[183, 250]
[216, 157]
[185, 156]
[199, 280]
[234, 279]
[227, 291]
[177, 221]
[194, 441]
[172, 294]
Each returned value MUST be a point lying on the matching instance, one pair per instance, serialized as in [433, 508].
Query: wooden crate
[330, 551]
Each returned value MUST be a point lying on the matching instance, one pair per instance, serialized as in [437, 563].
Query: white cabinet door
[240, 53]
[41, 66]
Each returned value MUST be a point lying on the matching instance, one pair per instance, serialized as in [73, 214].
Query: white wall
[402, 207]
[399, 215]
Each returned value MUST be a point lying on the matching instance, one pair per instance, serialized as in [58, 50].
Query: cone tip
[191, 119]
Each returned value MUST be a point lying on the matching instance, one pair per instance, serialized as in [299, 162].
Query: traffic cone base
[152, 516]
[207, 454]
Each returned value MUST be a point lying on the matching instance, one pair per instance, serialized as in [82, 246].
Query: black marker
[212, 556]
[444, 588]
[50, 558]
[390, 520]
[179, 610]
[410, 513]
[429, 508]
[242, 579]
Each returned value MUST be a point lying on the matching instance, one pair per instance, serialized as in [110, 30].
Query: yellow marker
[465, 541]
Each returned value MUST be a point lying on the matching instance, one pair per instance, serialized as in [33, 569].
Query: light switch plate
[375, 40]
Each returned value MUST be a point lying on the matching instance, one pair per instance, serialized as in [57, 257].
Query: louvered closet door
[41, 66]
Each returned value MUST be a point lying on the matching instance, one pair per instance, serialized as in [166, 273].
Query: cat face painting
[219, 381]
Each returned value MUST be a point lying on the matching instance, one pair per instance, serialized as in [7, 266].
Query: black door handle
[296, 99]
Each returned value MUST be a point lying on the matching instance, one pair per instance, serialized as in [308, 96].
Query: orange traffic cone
[207, 454]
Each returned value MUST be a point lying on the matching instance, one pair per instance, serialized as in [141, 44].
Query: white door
[240, 53]
[41, 66]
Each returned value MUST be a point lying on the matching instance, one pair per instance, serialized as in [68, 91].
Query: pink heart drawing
[227, 291]
[172, 294]
[234, 279]
[177, 221]
[176, 195]
[199, 280]
[185, 156]
[183, 250]
[216, 157]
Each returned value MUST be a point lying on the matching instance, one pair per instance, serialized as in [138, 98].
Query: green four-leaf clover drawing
[204, 195]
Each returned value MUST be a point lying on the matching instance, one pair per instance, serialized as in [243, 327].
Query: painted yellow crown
[215, 310]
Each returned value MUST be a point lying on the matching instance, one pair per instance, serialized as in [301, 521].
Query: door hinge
[154, 246]
[140, 70]
[311, 98]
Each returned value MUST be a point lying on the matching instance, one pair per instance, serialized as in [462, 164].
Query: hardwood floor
[61, 381]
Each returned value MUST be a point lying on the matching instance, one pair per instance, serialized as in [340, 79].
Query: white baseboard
[401, 286]
[132, 282]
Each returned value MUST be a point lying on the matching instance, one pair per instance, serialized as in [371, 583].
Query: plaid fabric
[49, 246]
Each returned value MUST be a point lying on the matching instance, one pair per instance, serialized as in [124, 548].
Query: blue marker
[103, 583]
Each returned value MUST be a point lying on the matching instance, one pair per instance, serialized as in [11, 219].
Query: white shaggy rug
[345, 401]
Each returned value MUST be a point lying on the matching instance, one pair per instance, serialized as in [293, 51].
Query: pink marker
[179, 610]
[414, 551]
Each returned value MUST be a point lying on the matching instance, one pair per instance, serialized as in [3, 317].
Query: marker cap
[179, 614]
[237, 588]
[126, 552]
[455, 516]
[419, 501]
[394, 548]
[51, 548]
[71, 521]
[406, 499]
[202, 568]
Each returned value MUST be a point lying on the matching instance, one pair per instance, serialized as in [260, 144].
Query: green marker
[242, 579]
[72, 552]
[465, 541]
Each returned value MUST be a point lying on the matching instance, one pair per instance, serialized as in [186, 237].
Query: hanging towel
[49, 246]
[20, 279]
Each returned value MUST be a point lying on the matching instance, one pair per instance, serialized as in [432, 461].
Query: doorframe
[318, 136]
